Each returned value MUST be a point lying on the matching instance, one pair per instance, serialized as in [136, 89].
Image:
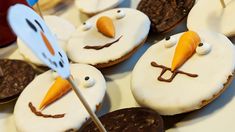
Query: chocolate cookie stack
[165, 14]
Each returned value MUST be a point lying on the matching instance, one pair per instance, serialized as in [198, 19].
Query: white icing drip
[132, 35]
[75, 113]
[183, 93]
[62, 30]
[213, 17]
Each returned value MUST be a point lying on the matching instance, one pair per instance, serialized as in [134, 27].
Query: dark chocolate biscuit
[165, 14]
[129, 120]
[15, 75]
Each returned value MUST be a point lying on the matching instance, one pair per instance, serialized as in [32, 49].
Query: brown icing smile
[38, 113]
[103, 46]
[174, 73]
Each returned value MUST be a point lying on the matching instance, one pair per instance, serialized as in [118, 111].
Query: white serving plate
[217, 116]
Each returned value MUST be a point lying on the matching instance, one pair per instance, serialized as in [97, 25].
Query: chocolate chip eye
[201, 44]
[86, 26]
[87, 78]
[167, 38]
[39, 25]
[170, 41]
[203, 48]
[31, 25]
[120, 14]
[88, 82]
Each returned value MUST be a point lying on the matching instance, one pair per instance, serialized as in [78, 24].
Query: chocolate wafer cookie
[165, 14]
[15, 75]
[129, 120]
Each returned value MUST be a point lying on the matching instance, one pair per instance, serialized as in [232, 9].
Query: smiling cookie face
[197, 81]
[65, 113]
[108, 37]
[32, 30]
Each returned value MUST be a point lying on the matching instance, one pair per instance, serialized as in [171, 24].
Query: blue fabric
[32, 2]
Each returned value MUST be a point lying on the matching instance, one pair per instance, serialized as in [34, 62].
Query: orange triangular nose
[59, 88]
[186, 47]
[47, 43]
[105, 26]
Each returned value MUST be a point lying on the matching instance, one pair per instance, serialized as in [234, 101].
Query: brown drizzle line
[174, 73]
[101, 47]
[38, 113]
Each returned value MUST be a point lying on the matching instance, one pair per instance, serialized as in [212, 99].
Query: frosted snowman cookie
[109, 37]
[33, 113]
[184, 72]
[213, 17]
[59, 26]
[92, 7]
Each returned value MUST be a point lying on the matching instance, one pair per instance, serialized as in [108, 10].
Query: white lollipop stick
[222, 3]
[39, 10]
[85, 104]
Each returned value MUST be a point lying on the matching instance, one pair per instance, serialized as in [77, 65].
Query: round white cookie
[62, 30]
[92, 7]
[213, 62]
[210, 15]
[129, 35]
[92, 89]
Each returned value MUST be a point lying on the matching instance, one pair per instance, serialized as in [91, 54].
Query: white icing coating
[184, 93]
[204, 49]
[89, 82]
[120, 14]
[210, 15]
[133, 33]
[171, 42]
[75, 113]
[96, 6]
[62, 30]
[86, 26]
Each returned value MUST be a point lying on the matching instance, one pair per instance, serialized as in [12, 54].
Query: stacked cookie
[110, 31]
[176, 69]
[15, 75]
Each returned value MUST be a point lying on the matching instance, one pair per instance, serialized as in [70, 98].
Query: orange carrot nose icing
[105, 25]
[57, 90]
[185, 48]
